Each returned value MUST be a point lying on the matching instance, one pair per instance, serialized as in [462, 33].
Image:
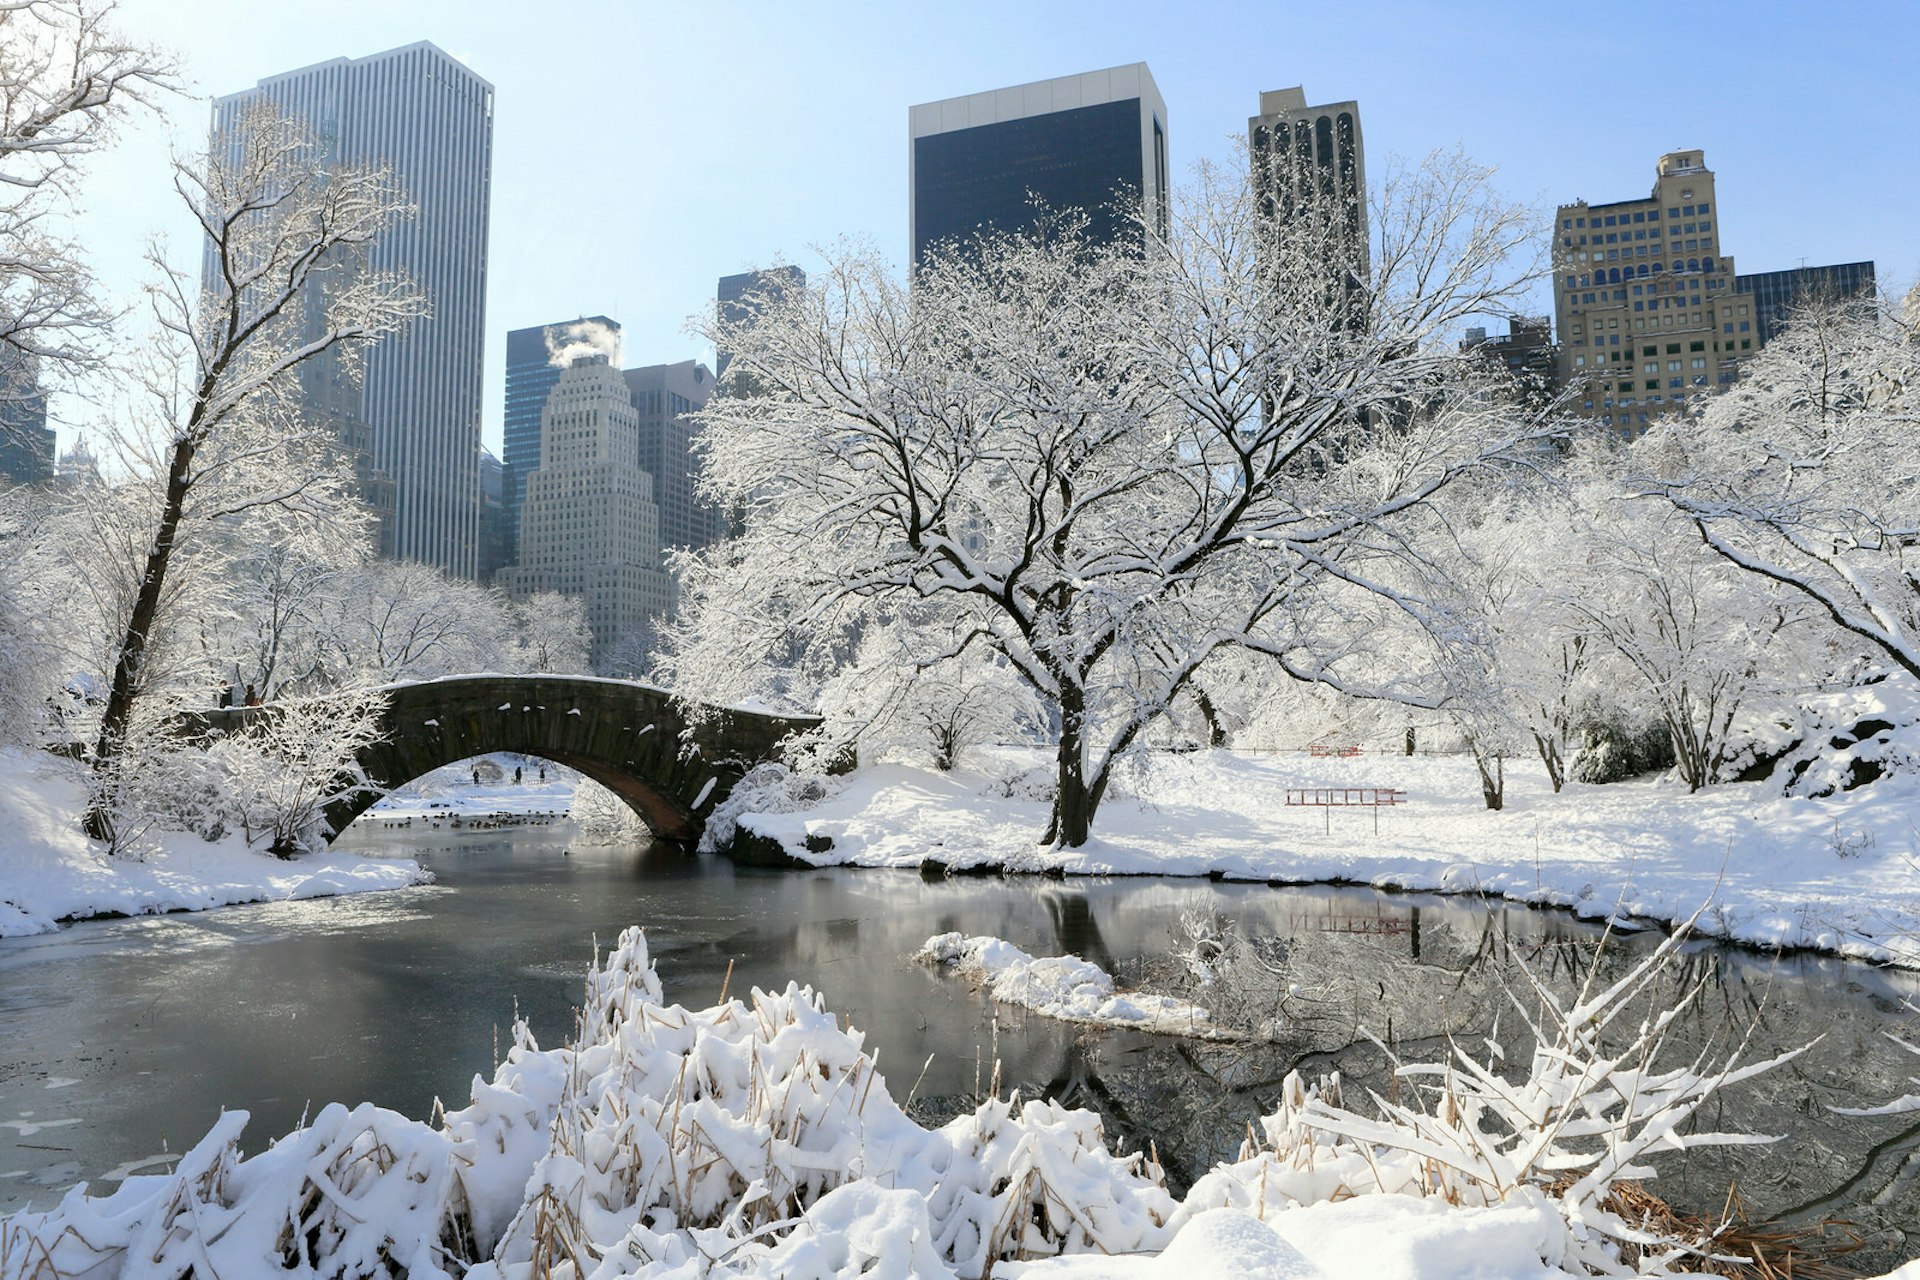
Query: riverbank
[1839, 875]
[50, 872]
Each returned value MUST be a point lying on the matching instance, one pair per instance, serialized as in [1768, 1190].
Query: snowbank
[757, 1138]
[50, 871]
[1840, 874]
[1066, 987]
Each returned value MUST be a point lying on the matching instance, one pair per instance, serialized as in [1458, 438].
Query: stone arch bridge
[630, 738]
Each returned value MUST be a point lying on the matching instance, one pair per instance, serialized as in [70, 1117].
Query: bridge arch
[630, 738]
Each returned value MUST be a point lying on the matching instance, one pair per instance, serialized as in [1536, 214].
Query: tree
[286, 234]
[1524, 656]
[1806, 473]
[1107, 465]
[66, 79]
[285, 763]
[1702, 640]
[551, 633]
[396, 620]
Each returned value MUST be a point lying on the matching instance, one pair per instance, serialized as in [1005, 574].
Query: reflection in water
[144, 1029]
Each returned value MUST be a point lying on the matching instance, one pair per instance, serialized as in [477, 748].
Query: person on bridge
[226, 695]
[253, 699]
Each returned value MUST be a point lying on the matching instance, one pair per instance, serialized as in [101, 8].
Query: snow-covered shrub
[1616, 744]
[1592, 1105]
[357, 1193]
[1035, 783]
[770, 787]
[155, 780]
[285, 763]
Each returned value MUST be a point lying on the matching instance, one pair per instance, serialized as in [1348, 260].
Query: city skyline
[829, 154]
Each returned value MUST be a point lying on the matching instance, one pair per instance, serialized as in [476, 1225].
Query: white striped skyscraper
[416, 414]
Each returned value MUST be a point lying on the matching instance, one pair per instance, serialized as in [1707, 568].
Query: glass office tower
[1092, 142]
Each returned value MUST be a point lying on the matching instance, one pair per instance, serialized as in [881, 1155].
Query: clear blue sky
[643, 148]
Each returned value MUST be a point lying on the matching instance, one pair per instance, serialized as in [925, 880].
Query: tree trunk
[1216, 732]
[1410, 743]
[1493, 777]
[1550, 756]
[1073, 801]
[133, 643]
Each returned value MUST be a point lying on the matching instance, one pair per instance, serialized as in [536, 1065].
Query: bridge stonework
[629, 738]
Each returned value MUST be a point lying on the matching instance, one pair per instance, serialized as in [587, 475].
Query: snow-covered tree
[280, 769]
[399, 620]
[551, 633]
[1806, 473]
[285, 236]
[1518, 666]
[1701, 640]
[1107, 465]
[67, 78]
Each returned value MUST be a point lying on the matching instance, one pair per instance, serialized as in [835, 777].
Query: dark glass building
[532, 369]
[26, 441]
[1088, 142]
[1777, 293]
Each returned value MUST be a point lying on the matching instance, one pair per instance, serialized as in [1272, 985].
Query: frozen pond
[120, 1041]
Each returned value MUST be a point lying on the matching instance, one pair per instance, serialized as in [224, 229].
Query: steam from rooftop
[567, 343]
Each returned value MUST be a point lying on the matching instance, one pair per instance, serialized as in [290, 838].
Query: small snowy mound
[1065, 987]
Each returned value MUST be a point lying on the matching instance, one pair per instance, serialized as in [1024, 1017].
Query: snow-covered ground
[1840, 874]
[50, 871]
[543, 791]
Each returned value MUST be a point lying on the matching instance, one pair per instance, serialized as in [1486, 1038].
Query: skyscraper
[1084, 142]
[1644, 299]
[534, 362]
[589, 526]
[1310, 163]
[665, 395]
[736, 296]
[415, 417]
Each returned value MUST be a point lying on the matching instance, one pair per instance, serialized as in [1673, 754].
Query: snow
[50, 871]
[758, 1138]
[449, 791]
[1065, 987]
[1840, 874]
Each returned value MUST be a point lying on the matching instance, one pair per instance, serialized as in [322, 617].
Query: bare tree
[1105, 465]
[286, 236]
